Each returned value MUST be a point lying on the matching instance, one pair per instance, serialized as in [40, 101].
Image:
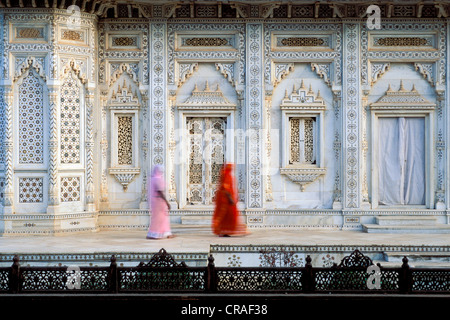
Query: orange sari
[226, 219]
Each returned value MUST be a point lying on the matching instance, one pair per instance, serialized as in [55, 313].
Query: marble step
[196, 220]
[178, 228]
[424, 229]
[405, 220]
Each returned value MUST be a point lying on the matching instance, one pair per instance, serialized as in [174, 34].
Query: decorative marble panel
[124, 42]
[70, 189]
[306, 41]
[31, 120]
[255, 91]
[234, 51]
[287, 43]
[351, 116]
[77, 37]
[125, 140]
[205, 41]
[31, 190]
[70, 120]
[112, 48]
[29, 33]
[158, 84]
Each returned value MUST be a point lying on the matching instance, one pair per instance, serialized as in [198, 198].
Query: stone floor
[193, 241]
[199, 242]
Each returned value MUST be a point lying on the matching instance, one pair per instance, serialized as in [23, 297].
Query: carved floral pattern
[31, 190]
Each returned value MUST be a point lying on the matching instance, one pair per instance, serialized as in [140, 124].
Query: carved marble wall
[89, 104]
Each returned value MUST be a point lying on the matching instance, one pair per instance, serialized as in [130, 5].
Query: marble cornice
[248, 10]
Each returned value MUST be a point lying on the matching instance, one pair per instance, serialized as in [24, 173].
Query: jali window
[302, 134]
[31, 121]
[70, 120]
[125, 140]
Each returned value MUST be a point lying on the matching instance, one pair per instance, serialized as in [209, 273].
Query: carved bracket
[426, 70]
[185, 71]
[31, 62]
[377, 70]
[303, 176]
[227, 70]
[124, 175]
[280, 71]
[124, 68]
[72, 66]
[323, 71]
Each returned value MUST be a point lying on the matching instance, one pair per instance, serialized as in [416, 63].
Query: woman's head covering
[157, 170]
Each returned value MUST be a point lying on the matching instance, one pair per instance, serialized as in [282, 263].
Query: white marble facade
[94, 93]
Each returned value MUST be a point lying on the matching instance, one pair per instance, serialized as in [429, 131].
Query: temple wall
[92, 99]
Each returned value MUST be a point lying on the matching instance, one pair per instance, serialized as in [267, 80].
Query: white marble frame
[285, 136]
[115, 113]
[429, 117]
[182, 154]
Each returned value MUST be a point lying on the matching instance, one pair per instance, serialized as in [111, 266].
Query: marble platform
[193, 245]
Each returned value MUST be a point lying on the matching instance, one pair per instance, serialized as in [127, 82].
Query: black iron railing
[355, 274]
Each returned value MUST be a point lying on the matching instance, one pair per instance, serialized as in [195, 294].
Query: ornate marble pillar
[351, 114]
[53, 146]
[8, 194]
[254, 115]
[144, 147]
[104, 152]
[158, 36]
[446, 117]
[337, 148]
[90, 206]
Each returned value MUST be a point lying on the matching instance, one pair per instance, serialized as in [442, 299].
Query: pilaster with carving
[158, 36]
[144, 147]
[440, 151]
[268, 146]
[53, 192]
[255, 116]
[89, 144]
[8, 194]
[337, 148]
[351, 116]
[104, 151]
[364, 149]
[172, 147]
[447, 132]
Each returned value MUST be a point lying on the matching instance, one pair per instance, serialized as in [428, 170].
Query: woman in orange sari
[226, 220]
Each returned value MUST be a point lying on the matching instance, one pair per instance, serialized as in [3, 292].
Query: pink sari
[159, 220]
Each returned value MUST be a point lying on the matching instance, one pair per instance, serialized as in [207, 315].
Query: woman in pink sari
[159, 221]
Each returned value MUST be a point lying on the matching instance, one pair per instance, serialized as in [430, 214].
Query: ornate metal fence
[355, 274]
